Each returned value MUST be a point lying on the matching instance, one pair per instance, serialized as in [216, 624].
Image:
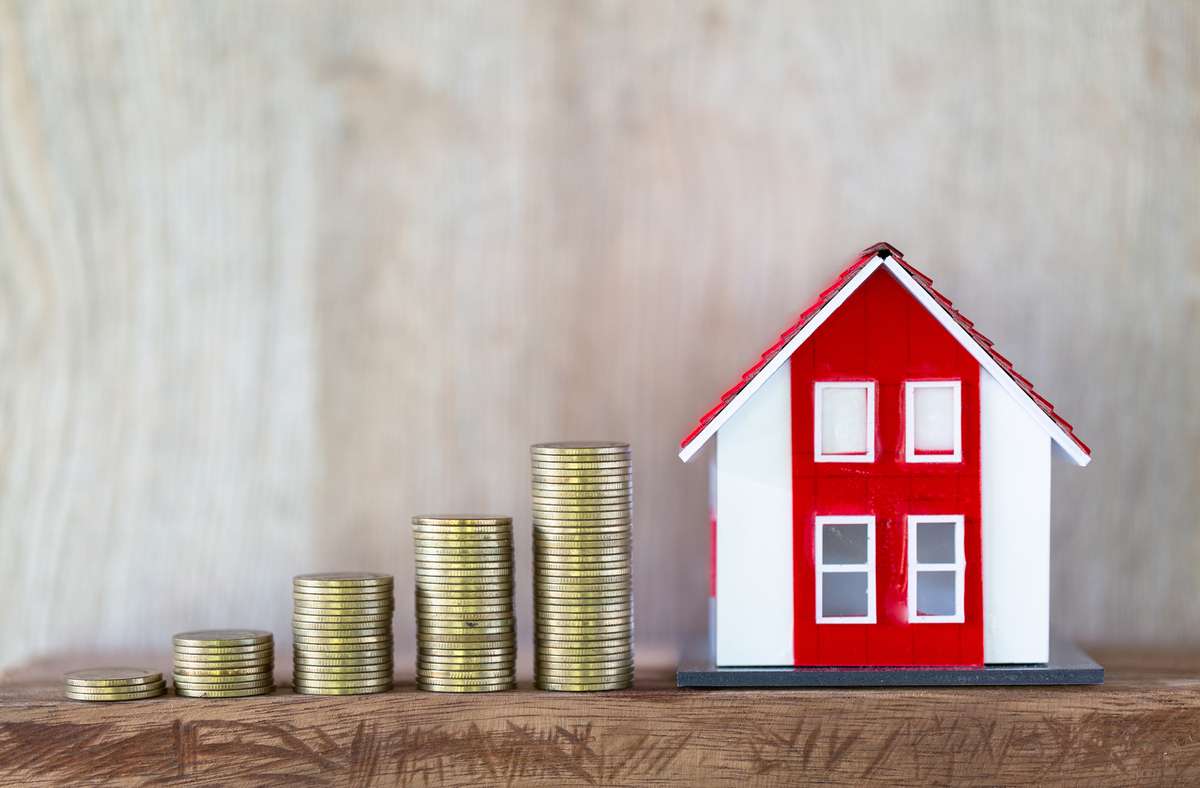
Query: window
[845, 570]
[933, 421]
[844, 421]
[935, 569]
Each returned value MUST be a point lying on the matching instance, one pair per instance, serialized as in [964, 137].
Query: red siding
[881, 333]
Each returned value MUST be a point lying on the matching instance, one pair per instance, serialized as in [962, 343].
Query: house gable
[921, 288]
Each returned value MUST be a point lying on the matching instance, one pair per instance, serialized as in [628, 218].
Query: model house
[882, 487]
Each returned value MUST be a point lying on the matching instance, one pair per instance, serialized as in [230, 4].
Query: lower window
[845, 561]
[936, 566]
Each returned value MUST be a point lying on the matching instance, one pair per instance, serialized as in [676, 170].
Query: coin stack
[110, 684]
[224, 663]
[466, 631]
[342, 633]
[582, 514]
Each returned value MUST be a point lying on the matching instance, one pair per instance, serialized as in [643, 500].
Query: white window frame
[910, 431]
[818, 397]
[959, 567]
[869, 566]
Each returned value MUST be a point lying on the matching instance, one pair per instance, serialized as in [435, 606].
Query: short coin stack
[110, 684]
[224, 663]
[342, 633]
[466, 631]
[582, 514]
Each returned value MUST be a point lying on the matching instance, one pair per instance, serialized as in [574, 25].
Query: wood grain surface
[276, 276]
[1137, 729]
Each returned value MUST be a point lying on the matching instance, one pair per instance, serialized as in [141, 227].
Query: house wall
[754, 530]
[1015, 472]
[882, 333]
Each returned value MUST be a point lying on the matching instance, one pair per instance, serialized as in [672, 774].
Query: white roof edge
[1057, 434]
[748, 391]
[1064, 441]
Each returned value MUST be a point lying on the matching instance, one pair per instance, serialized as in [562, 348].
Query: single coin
[561, 540]
[439, 606]
[222, 638]
[598, 558]
[563, 595]
[349, 637]
[439, 685]
[451, 639]
[379, 667]
[188, 692]
[558, 618]
[468, 576]
[620, 487]
[342, 611]
[429, 554]
[342, 684]
[208, 665]
[467, 663]
[348, 629]
[545, 570]
[582, 524]
[502, 586]
[307, 690]
[212, 682]
[431, 674]
[577, 686]
[112, 677]
[560, 652]
[134, 688]
[564, 467]
[421, 542]
[581, 500]
[587, 448]
[342, 618]
[345, 580]
[256, 670]
[427, 566]
[468, 628]
[584, 674]
[319, 678]
[466, 651]
[339, 599]
[549, 633]
[585, 609]
[110, 697]
[302, 659]
[462, 519]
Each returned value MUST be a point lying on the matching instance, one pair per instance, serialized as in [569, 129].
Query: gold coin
[256, 670]
[498, 586]
[462, 519]
[344, 600]
[582, 523]
[447, 640]
[306, 690]
[340, 684]
[503, 546]
[75, 689]
[469, 576]
[575, 448]
[548, 570]
[455, 685]
[221, 682]
[578, 686]
[187, 692]
[379, 667]
[465, 628]
[466, 566]
[556, 651]
[575, 539]
[467, 651]
[343, 618]
[430, 674]
[306, 609]
[462, 554]
[210, 639]
[583, 488]
[311, 661]
[467, 663]
[342, 638]
[596, 558]
[344, 580]
[544, 466]
[317, 674]
[559, 618]
[110, 697]
[549, 504]
[210, 664]
[563, 595]
[583, 674]
[349, 656]
[231, 653]
[558, 627]
[112, 677]
[440, 606]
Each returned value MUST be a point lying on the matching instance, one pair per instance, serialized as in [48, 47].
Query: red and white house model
[882, 488]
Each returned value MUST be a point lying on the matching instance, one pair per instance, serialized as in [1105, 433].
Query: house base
[1067, 665]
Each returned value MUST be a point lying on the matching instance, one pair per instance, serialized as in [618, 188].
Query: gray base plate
[1067, 665]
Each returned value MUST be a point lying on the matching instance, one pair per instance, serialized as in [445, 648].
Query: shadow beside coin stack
[342, 633]
[224, 663]
[466, 631]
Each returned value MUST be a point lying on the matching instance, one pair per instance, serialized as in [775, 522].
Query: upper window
[933, 421]
[844, 421]
[935, 569]
[845, 569]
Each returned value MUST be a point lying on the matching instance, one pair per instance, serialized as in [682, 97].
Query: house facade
[881, 488]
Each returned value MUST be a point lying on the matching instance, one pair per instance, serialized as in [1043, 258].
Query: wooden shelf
[1139, 727]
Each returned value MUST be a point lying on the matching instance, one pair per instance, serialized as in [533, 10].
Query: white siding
[754, 529]
[1016, 529]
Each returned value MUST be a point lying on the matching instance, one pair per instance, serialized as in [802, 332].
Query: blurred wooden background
[276, 276]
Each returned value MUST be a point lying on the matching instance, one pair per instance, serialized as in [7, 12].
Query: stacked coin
[466, 631]
[110, 684]
[224, 663]
[342, 633]
[582, 514]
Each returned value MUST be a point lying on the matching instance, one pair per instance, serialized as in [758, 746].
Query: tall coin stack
[342, 633]
[466, 631]
[224, 663]
[582, 515]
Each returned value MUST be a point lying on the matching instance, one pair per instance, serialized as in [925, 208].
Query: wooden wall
[276, 276]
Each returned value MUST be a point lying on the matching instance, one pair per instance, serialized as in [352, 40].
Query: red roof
[884, 250]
